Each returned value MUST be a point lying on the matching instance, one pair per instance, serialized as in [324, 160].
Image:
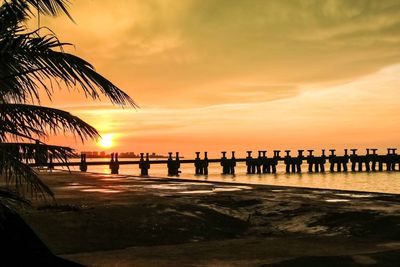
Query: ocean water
[383, 182]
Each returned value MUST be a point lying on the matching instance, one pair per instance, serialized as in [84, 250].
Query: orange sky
[222, 75]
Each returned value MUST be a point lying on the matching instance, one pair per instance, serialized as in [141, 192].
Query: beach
[118, 220]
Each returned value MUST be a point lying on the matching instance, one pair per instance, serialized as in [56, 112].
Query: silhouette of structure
[370, 161]
[114, 164]
[144, 165]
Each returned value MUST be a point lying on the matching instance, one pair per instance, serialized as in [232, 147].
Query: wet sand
[103, 220]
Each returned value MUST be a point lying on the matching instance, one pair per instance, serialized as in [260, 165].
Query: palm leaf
[29, 151]
[11, 198]
[50, 7]
[44, 7]
[29, 59]
[12, 14]
[29, 63]
[21, 120]
[19, 177]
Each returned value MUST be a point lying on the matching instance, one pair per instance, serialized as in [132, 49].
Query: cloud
[241, 73]
[167, 52]
[362, 113]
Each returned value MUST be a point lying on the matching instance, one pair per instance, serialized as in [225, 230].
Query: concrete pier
[371, 160]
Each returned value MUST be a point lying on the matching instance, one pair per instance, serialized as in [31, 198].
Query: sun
[106, 141]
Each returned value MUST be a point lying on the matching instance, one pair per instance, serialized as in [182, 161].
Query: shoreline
[166, 178]
[107, 220]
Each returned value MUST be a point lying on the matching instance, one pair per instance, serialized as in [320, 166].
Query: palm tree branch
[51, 7]
[11, 198]
[29, 151]
[17, 8]
[37, 120]
[20, 175]
[26, 52]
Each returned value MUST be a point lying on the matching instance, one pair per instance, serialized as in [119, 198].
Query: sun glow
[106, 141]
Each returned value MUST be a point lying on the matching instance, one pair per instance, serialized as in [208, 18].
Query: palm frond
[11, 198]
[19, 177]
[30, 63]
[30, 151]
[12, 13]
[31, 120]
[51, 7]
[28, 60]
[45, 7]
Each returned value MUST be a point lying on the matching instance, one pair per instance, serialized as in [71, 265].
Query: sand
[104, 220]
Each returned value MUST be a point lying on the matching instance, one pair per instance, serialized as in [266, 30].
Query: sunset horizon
[309, 61]
[200, 133]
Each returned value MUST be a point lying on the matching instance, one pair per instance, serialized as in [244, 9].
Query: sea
[380, 182]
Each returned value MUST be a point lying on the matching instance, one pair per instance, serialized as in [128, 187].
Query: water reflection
[385, 182]
[337, 200]
[101, 190]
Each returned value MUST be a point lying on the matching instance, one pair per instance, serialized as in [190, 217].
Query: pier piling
[310, 160]
[83, 166]
[205, 164]
[287, 160]
[114, 164]
[232, 163]
[250, 163]
[224, 163]
[266, 167]
[144, 164]
[259, 162]
[198, 164]
[370, 161]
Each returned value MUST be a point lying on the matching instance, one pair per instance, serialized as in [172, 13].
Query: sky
[213, 75]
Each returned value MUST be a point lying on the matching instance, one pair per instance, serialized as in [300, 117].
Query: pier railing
[261, 163]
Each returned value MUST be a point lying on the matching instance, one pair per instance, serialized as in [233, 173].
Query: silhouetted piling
[310, 160]
[332, 160]
[173, 165]
[266, 166]
[259, 162]
[367, 160]
[322, 161]
[374, 159]
[170, 164]
[198, 164]
[391, 159]
[114, 164]
[205, 164]
[232, 163]
[224, 163]
[299, 160]
[250, 163]
[286, 160]
[293, 164]
[201, 165]
[83, 166]
[275, 160]
[144, 164]
[345, 160]
[353, 159]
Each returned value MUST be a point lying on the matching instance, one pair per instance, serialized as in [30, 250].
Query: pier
[262, 163]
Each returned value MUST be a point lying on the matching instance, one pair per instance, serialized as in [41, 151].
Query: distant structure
[103, 154]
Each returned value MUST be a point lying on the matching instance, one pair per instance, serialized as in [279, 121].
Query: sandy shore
[103, 220]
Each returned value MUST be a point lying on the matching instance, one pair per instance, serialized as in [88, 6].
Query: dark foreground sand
[102, 220]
